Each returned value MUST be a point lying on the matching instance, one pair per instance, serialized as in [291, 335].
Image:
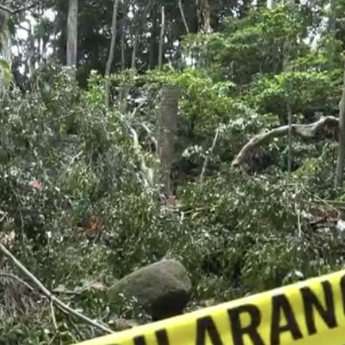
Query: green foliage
[299, 90]
[77, 211]
[258, 43]
[5, 70]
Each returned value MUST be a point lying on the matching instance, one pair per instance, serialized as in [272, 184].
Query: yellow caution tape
[311, 312]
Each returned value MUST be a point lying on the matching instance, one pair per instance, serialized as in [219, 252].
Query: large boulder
[162, 288]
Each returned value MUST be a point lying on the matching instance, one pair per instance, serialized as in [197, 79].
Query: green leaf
[5, 67]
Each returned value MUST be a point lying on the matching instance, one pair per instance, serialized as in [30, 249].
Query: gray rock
[162, 288]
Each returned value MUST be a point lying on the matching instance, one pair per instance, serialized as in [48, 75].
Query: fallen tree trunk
[328, 123]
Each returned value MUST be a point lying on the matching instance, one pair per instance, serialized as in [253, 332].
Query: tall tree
[341, 147]
[72, 34]
[6, 45]
[111, 50]
[141, 27]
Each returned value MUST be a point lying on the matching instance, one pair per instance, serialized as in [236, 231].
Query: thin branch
[53, 338]
[183, 16]
[69, 319]
[297, 130]
[22, 9]
[20, 26]
[14, 277]
[52, 311]
[152, 138]
[62, 306]
[3, 216]
[161, 38]
[147, 172]
[29, 287]
[207, 158]
[332, 204]
[75, 157]
[136, 109]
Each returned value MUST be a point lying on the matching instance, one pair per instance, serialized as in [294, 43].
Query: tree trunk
[341, 146]
[286, 68]
[134, 51]
[332, 20]
[123, 45]
[161, 39]
[167, 132]
[271, 4]
[183, 17]
[6, 56]
[72, 34]
[204, 10]
[111, 51]
[154, 40]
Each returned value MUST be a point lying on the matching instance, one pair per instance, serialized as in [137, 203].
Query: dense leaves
[74, 205]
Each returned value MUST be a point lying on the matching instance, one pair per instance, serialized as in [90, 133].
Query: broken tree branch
[62, 306]
[297, 130]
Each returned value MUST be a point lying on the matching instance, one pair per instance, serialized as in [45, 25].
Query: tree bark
[167, 132]
[72, 34]
[339, 172]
